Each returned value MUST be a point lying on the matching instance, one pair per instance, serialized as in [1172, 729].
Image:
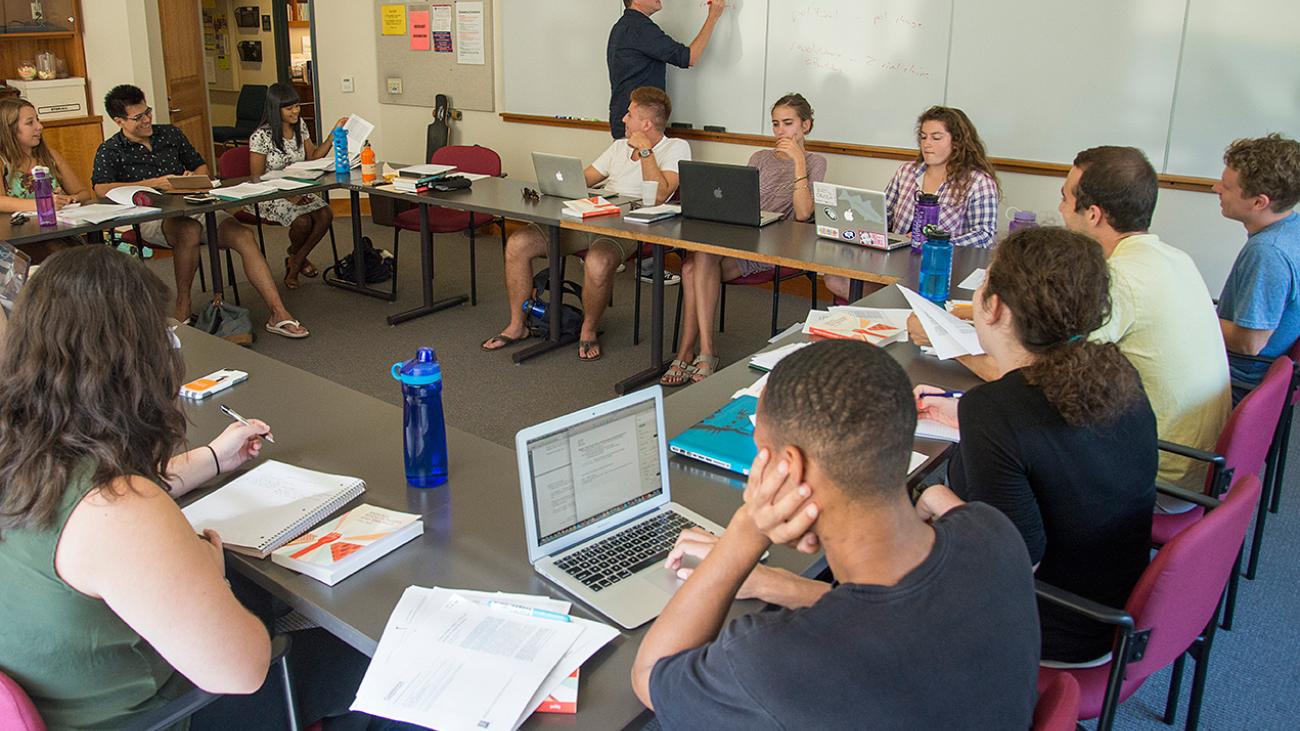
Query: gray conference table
[473, 535]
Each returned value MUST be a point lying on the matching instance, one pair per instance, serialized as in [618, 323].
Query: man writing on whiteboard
[639, 52]
[638, 55]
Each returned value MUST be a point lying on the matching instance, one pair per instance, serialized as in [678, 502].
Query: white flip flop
[282, 328]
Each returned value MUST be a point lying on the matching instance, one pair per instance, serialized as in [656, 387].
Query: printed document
[950, 335]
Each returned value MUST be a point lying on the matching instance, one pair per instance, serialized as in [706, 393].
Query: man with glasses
[144, 153]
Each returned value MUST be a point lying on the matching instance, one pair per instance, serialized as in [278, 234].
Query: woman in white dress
[281, 140]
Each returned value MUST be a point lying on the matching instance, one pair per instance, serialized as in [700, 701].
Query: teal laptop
[724, 439]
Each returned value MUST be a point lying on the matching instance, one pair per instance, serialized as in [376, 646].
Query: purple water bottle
[424, 429]
[43, 188]
[926, 214]
[1022, 219]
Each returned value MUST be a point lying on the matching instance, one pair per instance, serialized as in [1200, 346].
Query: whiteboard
[731, 70]
[1043, 80]
[868, 67]
[554, 56]
[1240, 78]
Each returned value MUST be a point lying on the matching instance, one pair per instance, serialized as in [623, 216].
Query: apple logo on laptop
[717, 193]
[848, 215]
[559, 176]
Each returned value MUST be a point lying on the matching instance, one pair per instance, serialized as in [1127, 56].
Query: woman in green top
[22, 147]
[109, 597]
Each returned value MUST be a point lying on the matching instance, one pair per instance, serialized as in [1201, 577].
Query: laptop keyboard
[626, 552]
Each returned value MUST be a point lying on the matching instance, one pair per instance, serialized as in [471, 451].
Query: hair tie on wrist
[1074, 339]
[215, 461]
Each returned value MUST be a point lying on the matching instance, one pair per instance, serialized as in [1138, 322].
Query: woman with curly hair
[1064, 441]
[952, 164]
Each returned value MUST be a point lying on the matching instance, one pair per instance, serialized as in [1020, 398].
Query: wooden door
[187, 89]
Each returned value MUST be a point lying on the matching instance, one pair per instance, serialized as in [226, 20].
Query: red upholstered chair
[17, 712]
[1242, 450]
[467, 159]
[1171, 613]
[1058, 702]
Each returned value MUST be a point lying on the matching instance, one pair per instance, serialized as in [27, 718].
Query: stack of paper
[949, 335]
[931, 429]
[422, 171]
[100, 212]
[455, 659]
[324, 164]
[768, 359]
[974, 279]
[244, 190]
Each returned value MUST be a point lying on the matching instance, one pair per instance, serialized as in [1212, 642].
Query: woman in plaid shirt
[951, 162]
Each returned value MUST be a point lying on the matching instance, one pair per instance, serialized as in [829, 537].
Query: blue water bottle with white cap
[424, 428]
[342, 162]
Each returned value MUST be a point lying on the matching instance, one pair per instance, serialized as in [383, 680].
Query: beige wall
[123, 46]
[221, 104]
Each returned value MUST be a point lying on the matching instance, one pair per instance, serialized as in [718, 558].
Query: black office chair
[248, 114]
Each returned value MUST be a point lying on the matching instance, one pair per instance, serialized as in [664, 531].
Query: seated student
[931, 626]
[952, 164]
[283, 139]
[1064, 442]
[786, 173]
[96, 558]
[1259, 309]
[143, 153]
[22, 148]
[644, 155]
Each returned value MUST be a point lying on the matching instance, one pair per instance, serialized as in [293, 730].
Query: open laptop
[722, 193]
[598, 513]
[562, 176]
[854, 216]
[15, 266]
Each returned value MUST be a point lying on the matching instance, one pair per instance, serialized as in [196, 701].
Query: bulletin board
[218, 48]
[437, 51]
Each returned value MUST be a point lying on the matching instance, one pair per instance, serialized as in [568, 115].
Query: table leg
[426, 269]
[855, 290]
[214, 252]
[657, 364]
[556, 339]
[358, 283]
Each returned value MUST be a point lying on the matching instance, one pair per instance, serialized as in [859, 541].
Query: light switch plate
[346, 85]
[394, 85]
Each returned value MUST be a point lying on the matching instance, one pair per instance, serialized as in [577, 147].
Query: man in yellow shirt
[1162, 316]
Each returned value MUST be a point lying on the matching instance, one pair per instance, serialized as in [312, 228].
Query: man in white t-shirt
[645, 155]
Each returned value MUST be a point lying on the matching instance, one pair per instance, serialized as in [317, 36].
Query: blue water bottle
[424, 429]
[936, 265]
[342, 164]
[43, 191]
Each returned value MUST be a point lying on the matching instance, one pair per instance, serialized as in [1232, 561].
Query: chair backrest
[469, 159]
[251, 104]
[1294, 355]
[1248, 433]
[234, 163]
[17, 713]
[1058, 703]
[1180, 590]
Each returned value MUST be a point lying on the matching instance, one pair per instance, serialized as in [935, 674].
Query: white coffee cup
[649, 192]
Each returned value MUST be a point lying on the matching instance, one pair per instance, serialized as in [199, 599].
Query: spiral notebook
[270, 505]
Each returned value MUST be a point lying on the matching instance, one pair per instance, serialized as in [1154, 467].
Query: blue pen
[945, 394]
[529, 611]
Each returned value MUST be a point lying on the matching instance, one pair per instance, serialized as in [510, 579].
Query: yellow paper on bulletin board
[394, 20]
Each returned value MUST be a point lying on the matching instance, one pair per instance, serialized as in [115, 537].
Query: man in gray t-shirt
[931, 625]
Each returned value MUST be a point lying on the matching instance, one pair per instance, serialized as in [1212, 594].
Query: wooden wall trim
[1026, 167]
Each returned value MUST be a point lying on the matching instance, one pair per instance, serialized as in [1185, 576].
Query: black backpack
[570, 316]
[379, 264]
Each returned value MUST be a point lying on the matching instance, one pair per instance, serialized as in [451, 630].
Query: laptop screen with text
[589, 471]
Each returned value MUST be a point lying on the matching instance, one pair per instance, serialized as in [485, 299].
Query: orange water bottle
[367, 164]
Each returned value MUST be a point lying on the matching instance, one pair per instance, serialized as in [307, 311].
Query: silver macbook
[598, 514]
[854, 216]
[562, 176]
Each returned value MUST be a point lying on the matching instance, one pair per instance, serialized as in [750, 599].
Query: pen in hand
[943, 394]
[231, 413]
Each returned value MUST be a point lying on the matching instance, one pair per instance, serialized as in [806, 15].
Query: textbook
[593, 207]
[650, 214]
[724, 438]
[844, 326]
[270, 505]
[342, 546]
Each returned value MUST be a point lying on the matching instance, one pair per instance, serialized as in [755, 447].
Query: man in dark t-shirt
[931, 626]
[639, 51]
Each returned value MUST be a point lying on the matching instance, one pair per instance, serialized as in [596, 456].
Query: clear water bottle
[926, 214]
[424, 428]
[342, 164]
[43, 188]
[936, 265]
[1022, 220]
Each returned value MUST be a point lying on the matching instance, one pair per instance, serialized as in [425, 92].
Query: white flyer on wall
[470, 48]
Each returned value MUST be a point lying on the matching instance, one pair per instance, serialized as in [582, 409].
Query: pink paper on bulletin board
[419, 25]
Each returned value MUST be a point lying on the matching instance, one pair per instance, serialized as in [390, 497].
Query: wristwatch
[644, 152]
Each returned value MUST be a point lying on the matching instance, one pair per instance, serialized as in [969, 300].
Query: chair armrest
[1189, 452]
[1199, 498]
[1095, 611]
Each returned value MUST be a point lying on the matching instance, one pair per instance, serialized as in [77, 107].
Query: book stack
[844, 326]
[340, 547]
[420, 178]
[593, 207]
